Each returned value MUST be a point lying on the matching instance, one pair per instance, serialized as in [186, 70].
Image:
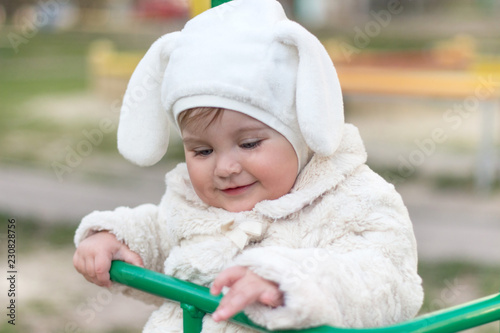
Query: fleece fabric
[340, 245]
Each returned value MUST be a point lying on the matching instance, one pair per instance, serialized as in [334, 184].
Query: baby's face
[237, 161]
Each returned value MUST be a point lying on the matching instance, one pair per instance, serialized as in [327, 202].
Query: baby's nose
[227, 165]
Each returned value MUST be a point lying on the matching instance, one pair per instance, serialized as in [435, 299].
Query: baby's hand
[246, 288]
[93, 257]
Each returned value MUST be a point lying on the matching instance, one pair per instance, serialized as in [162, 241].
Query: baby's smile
[237, 190]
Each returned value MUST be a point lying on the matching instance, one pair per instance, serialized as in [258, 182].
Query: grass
[439, 181]
[53, 67]
[32, 234]
[448, 283]
[466, 183]
[48, 64]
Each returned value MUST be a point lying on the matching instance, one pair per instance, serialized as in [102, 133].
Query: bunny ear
[143, 130]
[320, 109]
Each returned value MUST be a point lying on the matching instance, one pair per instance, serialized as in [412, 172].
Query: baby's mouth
[237, 189]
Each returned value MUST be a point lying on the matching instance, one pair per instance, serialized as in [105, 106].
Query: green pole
[192, 318]
[215, 3]
[198, 301]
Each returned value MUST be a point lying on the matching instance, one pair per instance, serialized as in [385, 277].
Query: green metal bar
[472, 314]
[192, 318]
[164, 286]
[215, 3]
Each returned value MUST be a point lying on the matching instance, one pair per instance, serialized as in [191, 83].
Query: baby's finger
[81, 267]
[78, 263]
[232, 303]
[227, 278]
[272, 297]
[127, 255]
[91, 274]
[102, 266]
[89, 270]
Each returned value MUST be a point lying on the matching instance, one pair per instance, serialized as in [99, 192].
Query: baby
[275, 201]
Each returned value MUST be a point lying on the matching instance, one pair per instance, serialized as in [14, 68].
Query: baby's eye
[251, 144]
[203, 152]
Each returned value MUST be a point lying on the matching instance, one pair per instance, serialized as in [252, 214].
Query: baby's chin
[238, 208]
[244, 205]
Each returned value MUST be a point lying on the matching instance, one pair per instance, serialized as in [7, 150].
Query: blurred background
[421, 80]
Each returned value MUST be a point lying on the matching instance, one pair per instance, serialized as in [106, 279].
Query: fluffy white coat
[340, 245]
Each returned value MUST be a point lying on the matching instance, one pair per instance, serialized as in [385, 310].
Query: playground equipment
[452, 70]
[199, 6]
[196, 301]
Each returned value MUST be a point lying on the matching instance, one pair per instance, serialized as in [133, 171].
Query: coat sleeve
[138, 229]
[365, 277]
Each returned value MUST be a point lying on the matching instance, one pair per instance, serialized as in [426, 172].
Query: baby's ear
[320, 109]
[143, 130]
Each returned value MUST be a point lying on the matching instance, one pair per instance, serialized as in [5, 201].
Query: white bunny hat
[246, 56]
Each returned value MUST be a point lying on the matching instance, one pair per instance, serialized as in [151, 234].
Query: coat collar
[320, 175]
